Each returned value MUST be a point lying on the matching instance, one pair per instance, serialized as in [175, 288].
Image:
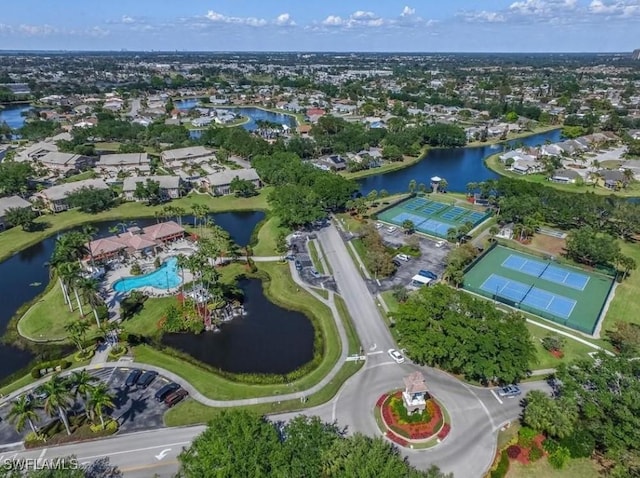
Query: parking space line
[495, 395]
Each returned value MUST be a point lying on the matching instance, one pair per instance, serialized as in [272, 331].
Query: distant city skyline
[330, 25]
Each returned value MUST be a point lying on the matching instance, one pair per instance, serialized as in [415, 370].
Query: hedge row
[44, 368]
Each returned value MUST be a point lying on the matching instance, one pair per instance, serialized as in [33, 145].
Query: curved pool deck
[165, 277]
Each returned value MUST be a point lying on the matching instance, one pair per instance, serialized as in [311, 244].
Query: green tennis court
[563, 294]
[432, 217]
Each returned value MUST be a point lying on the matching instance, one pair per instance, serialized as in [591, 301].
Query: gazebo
[435, 182]
[415, 393]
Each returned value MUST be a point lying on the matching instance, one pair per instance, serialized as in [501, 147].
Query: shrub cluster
[502, 468]
[44, 368]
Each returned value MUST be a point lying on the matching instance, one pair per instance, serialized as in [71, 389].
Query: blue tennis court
[407, 216]
[433, 208]
[433, 226]
[546, 271]
[416, 204]
[453, 213]
[475, 217]
[532, 296]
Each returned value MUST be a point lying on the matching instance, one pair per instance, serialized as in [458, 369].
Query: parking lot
[135, 408]
[300, 253]
[432, 259]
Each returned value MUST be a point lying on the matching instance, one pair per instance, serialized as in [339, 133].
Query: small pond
[12, 115]
[268, 339]
[25, 275]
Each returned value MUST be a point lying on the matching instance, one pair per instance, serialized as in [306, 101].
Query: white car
[439, 243]
[378, 225]
[396, 356]
[391, 229]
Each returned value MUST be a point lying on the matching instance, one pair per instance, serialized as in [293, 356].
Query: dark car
[175, 397]
[133, 377]
[428, 274]
[165, 391]
[146, 379]
[298, 265]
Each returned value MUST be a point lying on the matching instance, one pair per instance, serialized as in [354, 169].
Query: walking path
[100, 361]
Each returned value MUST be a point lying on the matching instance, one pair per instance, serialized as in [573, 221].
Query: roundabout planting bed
[426, 428]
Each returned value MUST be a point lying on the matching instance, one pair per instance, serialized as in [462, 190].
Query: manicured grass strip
[573, 350]
[15, 239]
[46, 319]
[575, 468]
[352, 336]
[315, 258]
[626, 302]
[191, 412]
[267, 236]
[326, 262]
[281, 290]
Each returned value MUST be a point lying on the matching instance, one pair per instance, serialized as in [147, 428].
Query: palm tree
[89, 291]
[443, 185]
[182, 262]
[23, 411]
[472, 186]
[82, 383]
[412, 186]
[68, 274]
[77, 332]
[99, 399]
[179, 212]
[58, 399]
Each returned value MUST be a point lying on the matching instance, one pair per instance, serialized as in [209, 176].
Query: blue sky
[322, 25]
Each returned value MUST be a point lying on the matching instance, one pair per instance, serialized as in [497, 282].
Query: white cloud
[333, 21]
[481, 17]
[220, 18]
[617, 8]
[127, 19]
[359, 18]
[36, 30]
[407, 11]
[542, 7]
[284, 19]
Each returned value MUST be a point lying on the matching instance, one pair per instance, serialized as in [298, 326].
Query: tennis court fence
[531, 310]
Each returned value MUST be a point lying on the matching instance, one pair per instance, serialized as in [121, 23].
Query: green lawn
[315, 257]
[626, 302]
[511, 136]
[267, 237]
[45, 319]
[80, 177]
[388, 166]
[15, 239]
[578, 468]
[573, 349]
[191, 412]
[282, 290]
[108, 146]
[390, 300]
[145, 323]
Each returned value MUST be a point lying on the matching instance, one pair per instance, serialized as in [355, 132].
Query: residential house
[335, 162]
[65, 162]
[11, 202]
[127, 162]
[171, 187]
[564, 176]
[55, 197]
[613, 179]
[176, 158]
[526, 166]
[37, 151]
[219, 183]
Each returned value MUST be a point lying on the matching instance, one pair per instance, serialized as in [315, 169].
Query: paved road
[138, 455]
[135, 107]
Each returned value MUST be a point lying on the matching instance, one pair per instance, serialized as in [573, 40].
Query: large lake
[268, 339]
[30, 267]
[458, 166]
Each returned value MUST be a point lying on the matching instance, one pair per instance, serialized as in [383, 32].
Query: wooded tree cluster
[303, 193]
[596, 409]
[91, 200]
[378, 259]
[449, 329]
[239, 444]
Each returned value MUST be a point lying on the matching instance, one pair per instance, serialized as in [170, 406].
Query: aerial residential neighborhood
[320, 239]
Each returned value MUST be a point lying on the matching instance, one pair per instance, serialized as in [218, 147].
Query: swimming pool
[166, 277]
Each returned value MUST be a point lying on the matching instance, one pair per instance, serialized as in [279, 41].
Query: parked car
[133, 377]
[391, 229]
[428, 274]
[395, 355]
[439, 243]
[166, 390]
[509, 391]
[396, 262]
[315, 273]
[175, 397]
[146, 379]
[378, 225]
[403, 257]
[40, 394]
[290, 258]
[298, 265]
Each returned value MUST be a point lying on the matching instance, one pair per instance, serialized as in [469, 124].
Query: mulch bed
[413, 431]
[557, 353]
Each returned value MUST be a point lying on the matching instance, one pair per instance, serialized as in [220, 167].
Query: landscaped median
[417, 430]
